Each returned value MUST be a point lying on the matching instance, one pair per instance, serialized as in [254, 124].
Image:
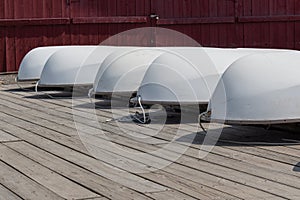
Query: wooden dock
[42, 156]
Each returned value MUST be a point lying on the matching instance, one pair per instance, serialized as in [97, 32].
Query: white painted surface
[190, 75]
[124, 70]
[76, 66]
[259, 89]
[33, 63]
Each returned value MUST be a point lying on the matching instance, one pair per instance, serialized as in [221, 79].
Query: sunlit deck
[42, 156]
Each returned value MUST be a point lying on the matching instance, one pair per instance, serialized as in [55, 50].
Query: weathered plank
[76, 173]
[49, 179]
[7, 194]
[5, 137]
[233, 168]
[83, 160]
[24, 186]
[51, 161]
[39, 143]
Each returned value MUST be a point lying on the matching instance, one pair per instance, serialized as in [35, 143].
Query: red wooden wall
[26, 24]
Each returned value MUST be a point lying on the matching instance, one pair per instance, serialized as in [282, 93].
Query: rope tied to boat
[144, 119]
[204, 114]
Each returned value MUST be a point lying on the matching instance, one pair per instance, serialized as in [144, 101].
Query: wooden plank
[278, 7]
[34, 155]
[45, 177]
[10, 55]
[184, 170]
[15, 181]
[7, 194]
[38, 156]
[83, 8]
[246, 7]
[142, 7]
[215, 161]
[170, 194]
[279, 18]
[99, 168]
[197, 189]
[112, 8]
[109, 20]
[102, 8]
[213, 8]
[2, 50]
[44, 124]
[260, 8]
[97, 198]
[19, 7]
[2, 11]
[69, 118]
[253, 38]
[167, 13]
[261, 152]
[6, 137]
[34, 22]
[283, 150]
[47, 145]
[9, 9]
[131, 8]
[210, 20]
[76, 173]
[92, 8]
[157, 7]
[291, 37]
[152, 160]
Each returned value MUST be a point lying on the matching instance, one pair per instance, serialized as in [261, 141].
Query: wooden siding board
[297, 7]
[247, 7]
[93, 8]
[278, 7]
[222, 23]
[167, 13]
[10, 55]
[2, 50]
[140, 7]
[195, 9]
[291, 35]
[2, 9]
[9, 9]
[213, 8]
[254, 38]
[112, 7]
[260, 8]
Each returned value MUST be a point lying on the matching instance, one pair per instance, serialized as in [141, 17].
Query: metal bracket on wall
[154, 16]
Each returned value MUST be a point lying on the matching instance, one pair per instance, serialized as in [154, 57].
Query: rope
[21, 88]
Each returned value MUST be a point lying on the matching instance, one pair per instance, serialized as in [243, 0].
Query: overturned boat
[74, 67]
[34, 61]
[187, 76]
[259, 89]
[122, 72]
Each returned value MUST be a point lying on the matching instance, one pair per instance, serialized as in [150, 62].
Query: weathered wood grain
[42, 132]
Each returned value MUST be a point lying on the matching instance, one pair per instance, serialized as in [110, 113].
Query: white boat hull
[74, 67]
[123, 71]
[189, 78]
[259, 89]
[33, 63]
